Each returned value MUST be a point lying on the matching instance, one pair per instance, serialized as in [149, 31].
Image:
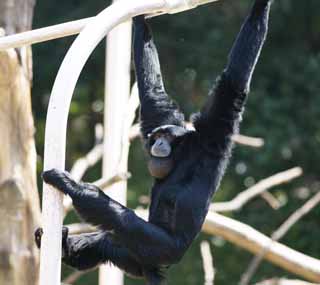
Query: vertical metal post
[116, 99]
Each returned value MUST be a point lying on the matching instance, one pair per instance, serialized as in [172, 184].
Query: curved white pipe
[57, 116]
[56, 125]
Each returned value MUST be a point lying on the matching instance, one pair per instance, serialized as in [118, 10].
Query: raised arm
[219, 119]
[156, 107]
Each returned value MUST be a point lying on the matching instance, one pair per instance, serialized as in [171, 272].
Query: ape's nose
[161, 148]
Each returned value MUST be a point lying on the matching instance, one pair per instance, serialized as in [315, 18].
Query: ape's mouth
[160, 167]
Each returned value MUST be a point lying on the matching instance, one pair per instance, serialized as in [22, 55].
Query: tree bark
[19, 201]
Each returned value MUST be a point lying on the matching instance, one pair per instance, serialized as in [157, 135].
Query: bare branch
[248, 141]
[271, 200]
[283, 281]
[296, 216]
[244, 197]
[80, 228]
[74, 276]
[134, 132]
[91, 158]
[207, 262]
[250, 239]
[239, 139]
[84, 163]
[277, 235]
[104, 183]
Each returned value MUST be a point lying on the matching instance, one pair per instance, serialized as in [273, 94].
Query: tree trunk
[19, 201]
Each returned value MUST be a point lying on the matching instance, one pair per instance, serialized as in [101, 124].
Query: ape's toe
[37, 236]
[51, 176]
[65, 232]
[60, 180]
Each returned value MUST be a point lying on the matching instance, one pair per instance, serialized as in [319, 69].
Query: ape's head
[161, 145]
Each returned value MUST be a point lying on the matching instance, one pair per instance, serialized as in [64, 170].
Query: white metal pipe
[75, 27]
[57, 116]
[44, 34]
[117, 91]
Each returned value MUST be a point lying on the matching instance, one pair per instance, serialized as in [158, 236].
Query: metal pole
[117, 90]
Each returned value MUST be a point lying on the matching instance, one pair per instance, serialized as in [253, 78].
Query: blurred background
[282, 109]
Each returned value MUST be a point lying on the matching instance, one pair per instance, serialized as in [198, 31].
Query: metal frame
[56, 125]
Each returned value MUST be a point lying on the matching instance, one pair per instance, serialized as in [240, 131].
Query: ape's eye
[169, 137]
[157, 136]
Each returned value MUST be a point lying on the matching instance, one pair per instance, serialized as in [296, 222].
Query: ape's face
[161, 145]
[160, 149]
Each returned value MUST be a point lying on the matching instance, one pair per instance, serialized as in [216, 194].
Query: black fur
[179, 202]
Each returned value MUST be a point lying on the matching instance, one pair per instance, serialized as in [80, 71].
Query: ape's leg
[148, 243]
[86, 251]
[89, 250]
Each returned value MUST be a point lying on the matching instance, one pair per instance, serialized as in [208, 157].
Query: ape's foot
[60, 180]
[39, 232]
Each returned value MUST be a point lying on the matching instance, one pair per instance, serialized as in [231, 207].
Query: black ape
[187, 165]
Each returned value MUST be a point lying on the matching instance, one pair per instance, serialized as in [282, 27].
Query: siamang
[187, 165]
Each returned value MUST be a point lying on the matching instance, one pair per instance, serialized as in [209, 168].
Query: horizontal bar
[74, 27]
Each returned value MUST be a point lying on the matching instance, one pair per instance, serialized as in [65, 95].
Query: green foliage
[283, 108]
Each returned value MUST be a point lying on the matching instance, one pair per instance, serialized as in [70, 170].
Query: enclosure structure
[95, 29]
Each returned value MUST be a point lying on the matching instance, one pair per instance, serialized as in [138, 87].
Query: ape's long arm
[220, 117]
[156, 107]
[246, 50]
